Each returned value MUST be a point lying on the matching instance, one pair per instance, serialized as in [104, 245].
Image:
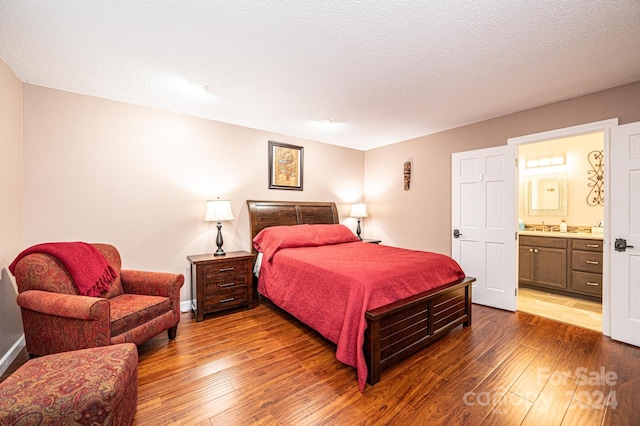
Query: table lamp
[217, 211]
[358, 210]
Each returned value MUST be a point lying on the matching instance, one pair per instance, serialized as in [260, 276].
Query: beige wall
[10, 208]
[421, 218]
[104, 171]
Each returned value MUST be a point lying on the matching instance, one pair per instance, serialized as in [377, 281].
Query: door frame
[582, 129]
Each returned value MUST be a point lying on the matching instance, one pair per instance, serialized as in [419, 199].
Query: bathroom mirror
[546, 194]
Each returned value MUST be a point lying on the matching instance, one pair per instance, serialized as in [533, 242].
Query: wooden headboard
[263, 214]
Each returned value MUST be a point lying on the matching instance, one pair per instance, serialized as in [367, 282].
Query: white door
[625, 225]
[484, 215]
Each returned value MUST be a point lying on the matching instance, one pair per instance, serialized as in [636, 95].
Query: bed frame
[394, 331]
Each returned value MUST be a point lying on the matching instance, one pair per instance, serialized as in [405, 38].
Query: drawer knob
[592, 284]
[593, 245]
[226, 269]
[592, 262]
[227, 285]
[230, 299]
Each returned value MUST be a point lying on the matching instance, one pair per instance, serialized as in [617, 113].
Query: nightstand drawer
[586, 261]
[588, 283]
[225, 299]
[220, 270]
[228, 283]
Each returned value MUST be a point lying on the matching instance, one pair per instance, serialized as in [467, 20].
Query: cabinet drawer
[225, 299]
[587, 245]
[221, 270]
[224, 281]
[551, 242]
[217, 286]
[586, 261]
[587, 283]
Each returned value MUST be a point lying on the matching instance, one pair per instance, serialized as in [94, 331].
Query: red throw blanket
[89, 269]
[331, 287]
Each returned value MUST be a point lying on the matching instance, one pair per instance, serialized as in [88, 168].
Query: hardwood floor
[263, 367]
[571, 310]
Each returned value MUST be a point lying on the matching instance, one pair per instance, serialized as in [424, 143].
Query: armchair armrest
[151, 283]
[64, 305]
[55, 322]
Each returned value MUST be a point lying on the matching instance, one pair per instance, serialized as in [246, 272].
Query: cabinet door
[525, 264]
[551, 267]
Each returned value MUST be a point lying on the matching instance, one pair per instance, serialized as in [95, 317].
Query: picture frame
[286, 166]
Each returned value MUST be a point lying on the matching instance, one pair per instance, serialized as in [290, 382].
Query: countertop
[583, 235]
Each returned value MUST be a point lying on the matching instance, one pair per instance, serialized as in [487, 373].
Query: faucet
[543, 226]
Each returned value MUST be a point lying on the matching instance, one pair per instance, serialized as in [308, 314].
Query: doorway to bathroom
[560, 218]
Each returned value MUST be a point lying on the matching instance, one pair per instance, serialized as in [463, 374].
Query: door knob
[456, 233]
[621, 244]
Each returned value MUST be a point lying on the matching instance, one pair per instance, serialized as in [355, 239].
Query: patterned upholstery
[138, 305]
[97, 386]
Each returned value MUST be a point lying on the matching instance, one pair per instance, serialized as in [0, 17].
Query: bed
[390, 332]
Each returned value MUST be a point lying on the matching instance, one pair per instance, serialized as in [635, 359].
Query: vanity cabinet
[563, 265]
[543, 262]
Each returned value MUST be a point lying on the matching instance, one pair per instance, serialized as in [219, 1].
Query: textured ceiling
[385, 71]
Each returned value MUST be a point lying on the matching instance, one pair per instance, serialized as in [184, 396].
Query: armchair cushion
[113, 257]
[130, 310]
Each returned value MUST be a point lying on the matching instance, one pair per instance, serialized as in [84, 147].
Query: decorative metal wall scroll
[596, 179]
[407, 175]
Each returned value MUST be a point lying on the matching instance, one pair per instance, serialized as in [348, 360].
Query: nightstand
[221, 282]
[371, 240]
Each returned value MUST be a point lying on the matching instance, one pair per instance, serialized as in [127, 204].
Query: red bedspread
[330, 287]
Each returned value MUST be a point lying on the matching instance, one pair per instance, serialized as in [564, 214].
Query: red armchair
[56, 318]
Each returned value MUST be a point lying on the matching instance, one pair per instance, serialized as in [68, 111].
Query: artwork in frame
[286, 166]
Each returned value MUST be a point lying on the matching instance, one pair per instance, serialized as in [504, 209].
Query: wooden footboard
[397, 330]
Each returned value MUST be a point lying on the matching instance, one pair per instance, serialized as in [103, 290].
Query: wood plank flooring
[263, 367]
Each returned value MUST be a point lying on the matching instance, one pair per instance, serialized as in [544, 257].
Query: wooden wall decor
[407, 175]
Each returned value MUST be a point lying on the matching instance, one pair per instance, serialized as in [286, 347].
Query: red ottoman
[97, 386]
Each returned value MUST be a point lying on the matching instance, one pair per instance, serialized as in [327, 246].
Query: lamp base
[219, 252]
[358, 230]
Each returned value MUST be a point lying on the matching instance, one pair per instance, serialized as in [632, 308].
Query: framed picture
[286, 166]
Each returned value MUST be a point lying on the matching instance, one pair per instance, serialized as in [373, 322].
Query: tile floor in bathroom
[580, 312]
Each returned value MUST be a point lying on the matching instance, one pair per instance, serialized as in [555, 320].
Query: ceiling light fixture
[201, 85]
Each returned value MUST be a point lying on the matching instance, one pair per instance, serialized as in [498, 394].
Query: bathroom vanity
[562, 263]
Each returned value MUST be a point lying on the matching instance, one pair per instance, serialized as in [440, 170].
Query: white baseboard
[8, 358]
[185, 306]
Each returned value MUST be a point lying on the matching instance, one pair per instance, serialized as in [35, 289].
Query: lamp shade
[218, 210]
[359, 210]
